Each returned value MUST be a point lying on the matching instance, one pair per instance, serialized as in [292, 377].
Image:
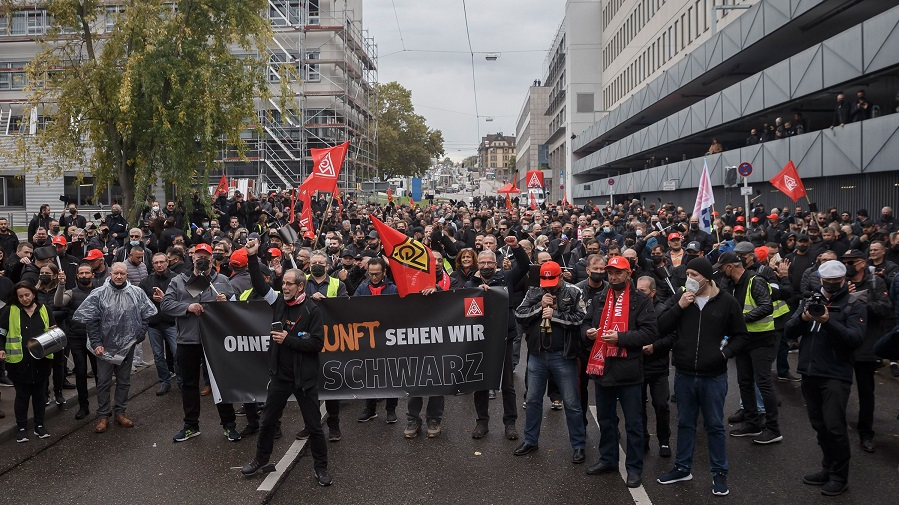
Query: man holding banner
[297, 339]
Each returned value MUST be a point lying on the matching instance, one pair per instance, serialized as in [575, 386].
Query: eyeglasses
[486, 263]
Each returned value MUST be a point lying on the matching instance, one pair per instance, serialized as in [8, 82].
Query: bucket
[47, 343]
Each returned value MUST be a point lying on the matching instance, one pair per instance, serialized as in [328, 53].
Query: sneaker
[719, 485]
[492, 394]
[303, 434]
[433, 429]
[834, 488]
[22, 435]
[60, 400]
[412, 429]
[524, 404]
[767, 437]
[665, 451]
[240, 412]
[789, 377]
[256, 466]
[231, 433]
[249, 430]
[675, 475]
[737, 417]
[817, 479]
[4, 381]
[41, 432]
[186, 433]
[746, 431]
[556, 405]
[391, 417]
[334, 435]
[894, 369]
[367, 415]
[164, 387]
[323, 477]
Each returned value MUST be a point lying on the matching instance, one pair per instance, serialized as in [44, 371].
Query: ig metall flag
[704, 200]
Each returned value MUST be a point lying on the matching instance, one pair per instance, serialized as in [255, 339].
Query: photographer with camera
[832, 326]
[861, 109]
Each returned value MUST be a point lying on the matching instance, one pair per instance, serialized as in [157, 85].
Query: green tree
[512, 163]
[157, 95]
[405, 143]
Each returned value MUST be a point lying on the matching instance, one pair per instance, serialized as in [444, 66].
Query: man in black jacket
[76, 332]
[831, 330]
[710, 330]
[624, 320]
[552, 315]
[656, 361]
[293, 366]
[162, 326]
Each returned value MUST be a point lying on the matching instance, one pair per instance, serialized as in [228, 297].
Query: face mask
[618, 286]
[218, 256]
[628, 243]
[360, 242]
[203, 264]
[802, 248]
[692, 285]
[134, 243]
[333, 250]
[639, 233]
[606, 229]
[85, 281]
[205, 224]
[487, 273]
[727, 236]
[116, 212]
[850, 272]
[689, 257]
[739, 238]
[155, 208]
[55, 229]
[45, 279]
[831, 287]
[317, 270]
[73, 211]
[694, 226]
[657, 259]
[597, 277]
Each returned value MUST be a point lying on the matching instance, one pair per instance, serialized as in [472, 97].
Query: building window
[112, 14]
[12, 191]
[313, 72]
[84, 193]
[314, 12]
[12, 75]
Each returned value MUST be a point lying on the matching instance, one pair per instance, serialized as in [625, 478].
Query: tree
[405, 143]
[512, 163]
[156, 96]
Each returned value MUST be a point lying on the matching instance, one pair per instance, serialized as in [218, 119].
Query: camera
[815, 304]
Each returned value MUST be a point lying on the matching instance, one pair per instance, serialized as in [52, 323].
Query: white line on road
[293, 452]
[638, 494]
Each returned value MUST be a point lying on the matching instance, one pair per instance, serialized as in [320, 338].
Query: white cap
[832, 269]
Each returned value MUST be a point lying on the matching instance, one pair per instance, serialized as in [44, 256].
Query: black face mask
[597, 277]
[203, 264]
[628, 243]
[691, 257]
[802, 248]
[317, 270]
[850, 271]
[739, 238]
[85, 281]
[333, 250]
[360, 242]
[487, 273]
[831, 287]
[55, 229]
[726, 236]
[618, 286]
[218, 256]
[694, 226]
[73, 211]
[45, 279]
[658, 259]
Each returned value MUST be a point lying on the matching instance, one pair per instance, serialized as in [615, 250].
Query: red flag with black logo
[304, 194]
[326, 167]
[411, 262]
[788, 181]
[222, 187]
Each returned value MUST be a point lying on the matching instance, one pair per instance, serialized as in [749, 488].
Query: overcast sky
[443, 80]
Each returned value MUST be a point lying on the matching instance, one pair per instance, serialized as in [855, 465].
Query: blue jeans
[631, 399]
[565, 372]
[156, 343]
[706, 395]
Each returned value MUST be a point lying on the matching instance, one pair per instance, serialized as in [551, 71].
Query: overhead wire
[400, 30]
[474, 81]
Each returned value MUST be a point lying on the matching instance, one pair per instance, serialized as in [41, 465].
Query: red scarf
[615, 315]
[376, 290]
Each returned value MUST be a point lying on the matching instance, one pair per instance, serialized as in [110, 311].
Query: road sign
[669, 186]
[745, 169]
[611, 181]
[746, 191]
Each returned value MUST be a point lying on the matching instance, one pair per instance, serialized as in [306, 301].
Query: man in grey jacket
[116, 316]
[186, 308]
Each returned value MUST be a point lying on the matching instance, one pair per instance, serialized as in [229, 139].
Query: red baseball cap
[239, 258]
[773, 216]
[274, 251]
[739, 228]
[204, 248]
[755, 220]
[619, 262]
[550, 273]
[59, 240]
[741, 219]
[674, 236]
[94, 254]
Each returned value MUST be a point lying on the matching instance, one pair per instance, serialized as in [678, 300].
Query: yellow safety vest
[247, 294]
[333, 285]
[14, 337]
[764, 324]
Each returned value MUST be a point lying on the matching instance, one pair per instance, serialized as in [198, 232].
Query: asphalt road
[375, 464]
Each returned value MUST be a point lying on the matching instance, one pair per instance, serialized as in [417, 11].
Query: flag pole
[717, 233]
[327, 211]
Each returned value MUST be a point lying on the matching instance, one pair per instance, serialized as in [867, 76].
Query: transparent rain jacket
[115, 318]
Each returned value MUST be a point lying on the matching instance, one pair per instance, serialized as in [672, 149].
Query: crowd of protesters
[624, 292]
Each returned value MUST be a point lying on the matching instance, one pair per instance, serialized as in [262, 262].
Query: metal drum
[47, 343]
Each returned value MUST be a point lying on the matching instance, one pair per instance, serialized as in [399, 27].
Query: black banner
[375, 347]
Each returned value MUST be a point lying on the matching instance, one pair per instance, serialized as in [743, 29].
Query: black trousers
[657, 386]
[190, 359]
[279, 390]
[482, 398]
[864, 381]
[434, 411]
[826, 401]
[754, 369]
[81, 356]
[34, 393]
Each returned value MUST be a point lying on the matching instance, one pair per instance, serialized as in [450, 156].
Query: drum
[47, 343]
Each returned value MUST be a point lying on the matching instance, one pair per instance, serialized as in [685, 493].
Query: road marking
[637, 494]
[293, 452]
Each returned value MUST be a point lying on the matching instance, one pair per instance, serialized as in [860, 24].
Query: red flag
[293, 204]
[508, 202]
[222, 187]
[304, 194]
[564, 200]
[788, 181]
[532, 200]
[411, 262]
[389, 195]
[327, 164]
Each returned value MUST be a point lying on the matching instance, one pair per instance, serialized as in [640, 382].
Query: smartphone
[277, 326]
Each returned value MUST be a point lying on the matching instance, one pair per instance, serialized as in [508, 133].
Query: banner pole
[328, 210]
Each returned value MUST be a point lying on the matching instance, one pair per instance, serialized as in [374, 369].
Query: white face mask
[155, 209]
[692, 285]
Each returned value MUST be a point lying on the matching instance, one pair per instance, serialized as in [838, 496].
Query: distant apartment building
[495, 153]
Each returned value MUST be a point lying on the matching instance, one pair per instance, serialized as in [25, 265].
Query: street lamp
[714, 27]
